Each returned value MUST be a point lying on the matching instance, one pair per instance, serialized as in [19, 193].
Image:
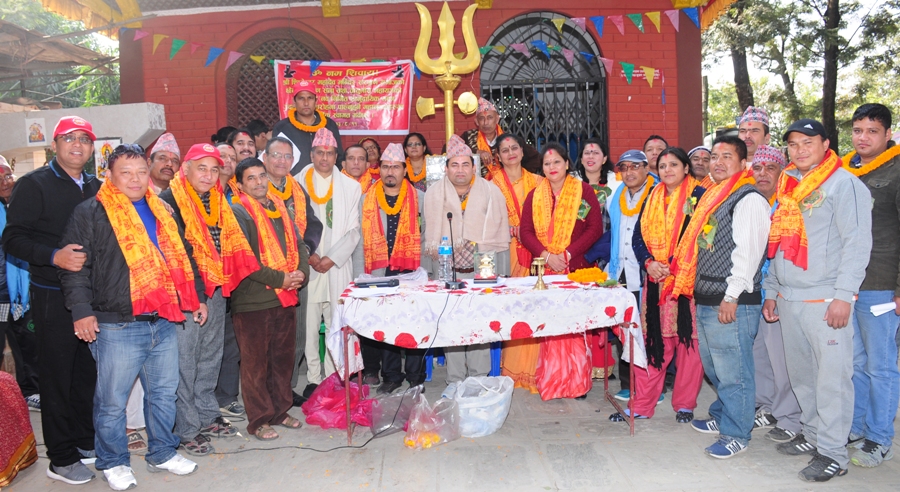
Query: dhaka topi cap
[456, 147]
[393, 153]
[754, 113]
[324, 138]
[166, 142]
[485, 105]
[766, 153]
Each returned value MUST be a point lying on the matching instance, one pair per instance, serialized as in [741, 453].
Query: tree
[730, 34]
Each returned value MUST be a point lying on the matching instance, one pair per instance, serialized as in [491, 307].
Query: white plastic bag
[483, 404]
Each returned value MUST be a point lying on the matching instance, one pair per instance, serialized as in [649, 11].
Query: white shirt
[750, 231]
[318, 283]
[627, 258]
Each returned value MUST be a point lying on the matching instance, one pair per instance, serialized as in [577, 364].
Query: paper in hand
[880, 309]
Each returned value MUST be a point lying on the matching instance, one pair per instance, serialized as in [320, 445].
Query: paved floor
[555, 445]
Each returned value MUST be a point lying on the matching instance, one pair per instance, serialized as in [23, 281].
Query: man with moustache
[165, 161]
[700, 157]
[356, 166]
[226, 172]
[753, 129]
[243, 143]
[482, 138]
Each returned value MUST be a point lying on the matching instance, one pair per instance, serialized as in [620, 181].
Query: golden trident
[447, 67]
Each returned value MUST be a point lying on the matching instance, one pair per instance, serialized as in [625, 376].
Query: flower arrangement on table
[591, 275]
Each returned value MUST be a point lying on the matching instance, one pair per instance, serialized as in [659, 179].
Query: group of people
[189, 280]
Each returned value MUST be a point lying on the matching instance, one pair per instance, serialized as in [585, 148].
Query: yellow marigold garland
[415, 178]
[623, 203]
[292, 115]
[211, 218]
[877, 162]
[382, 201]
[310, 188]
[588, 275]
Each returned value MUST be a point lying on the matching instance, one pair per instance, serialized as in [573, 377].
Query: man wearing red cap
[302, 123]
[481, 139]
[335, 200]
[223, 259]
[165, 161]
[40, 207]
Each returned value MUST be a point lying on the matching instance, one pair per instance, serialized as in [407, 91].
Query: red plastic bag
[430, 426]
[327, 408]
[564, 367]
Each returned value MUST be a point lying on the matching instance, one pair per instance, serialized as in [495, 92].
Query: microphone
[453, 284]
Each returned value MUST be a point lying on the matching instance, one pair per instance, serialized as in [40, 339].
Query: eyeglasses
[278, 156]
[629, 166]
[415, 144]
[69, 138]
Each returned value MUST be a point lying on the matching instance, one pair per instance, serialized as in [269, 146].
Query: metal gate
[546, 99]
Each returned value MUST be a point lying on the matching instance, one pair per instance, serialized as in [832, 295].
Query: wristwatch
[730, 299]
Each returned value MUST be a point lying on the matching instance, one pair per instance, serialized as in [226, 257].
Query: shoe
[871, 454]
[618, 417]
[684, 417]
[623, 395]
[796, 446]
[764, 420]
[33, 402]
[220, 427]
[308, 391]
[662, 398]
[582, 397]
[725, 448]
[450, 391]
[778, 434]
[371, 379]
[298, 399]
[669, 383]
[88, 456]
[198, 446]
[233, 409]
[388, 387]
[179, 465]
[821, 469]
[74, 474]
[706, 426]
[855, 440]
[120, 477]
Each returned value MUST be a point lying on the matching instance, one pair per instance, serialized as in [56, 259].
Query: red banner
[362, 98]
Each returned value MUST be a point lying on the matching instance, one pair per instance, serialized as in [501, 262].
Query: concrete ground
[554, 445]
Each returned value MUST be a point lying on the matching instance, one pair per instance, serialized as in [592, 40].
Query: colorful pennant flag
[587, 56]
[638, 20]
[598, 24]
[579, 21]
[501, 49]
[213, 54]
[360, 60]
[157, 38]
[555, 47]
[176, 45]
[541, 45]
[195, 47]
[484, 49]
[140, 34]
[628, 70]
[393, 59]
[460, 55]
[694, 15]
[558, 23]
[521, 48]
[608, 65]
[568, 54]
[417, 71]
[618, 22]
[313, 66]
[664, 97]
[232, 57]
[258, 58]
[654, 18]
[673, 18]
[649, 73]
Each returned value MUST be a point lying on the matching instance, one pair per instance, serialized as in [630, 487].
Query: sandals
[266, 433]
[291, 423]
[136, 443]
[198, 446]
[220, 427]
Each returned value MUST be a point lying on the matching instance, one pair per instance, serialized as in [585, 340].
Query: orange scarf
[236, 261]
[292, 189]
[554, 225]
[514, 208]
[483, 145]
[415, 178]
[707, 182]
[365, 180]
[160, 279]
[235, 190]
[661, 224]
[407, 242]
[270, 253]
[788, 231]
[684, 264]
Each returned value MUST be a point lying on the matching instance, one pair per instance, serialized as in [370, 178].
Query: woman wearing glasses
[416, 150]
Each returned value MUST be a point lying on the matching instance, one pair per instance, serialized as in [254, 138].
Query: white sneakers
[179, 465]
[120, 477]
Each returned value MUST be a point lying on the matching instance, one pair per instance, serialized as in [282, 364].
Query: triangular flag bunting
[460, 55]
[393, 59]
[628, 70]
[140, 34]
[417, 71]
[638, 20]
[258, 58]
[673, 18]
[176, 45]
[649, 72]
[232, 57]
[694, 15]
[501, 49]
[558, 23]
[569, 54]
[313, 66]
[608, 65]
[618, 22]
[579, 21]
[664, 97]
[521, 48]
[484, 49]
[654, 18]
[213, 54]
[555, 48]
[378, 60]
[271, 62]
[358, 60]
[541, 45]
[195, 47]
[598, 24]
[587, 56]
[157, 38]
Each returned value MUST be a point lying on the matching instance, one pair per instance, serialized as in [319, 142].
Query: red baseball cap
[199, 151]
[305, 86]
[69, 124]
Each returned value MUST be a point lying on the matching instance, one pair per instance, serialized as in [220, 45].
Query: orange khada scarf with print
[661, 224]
[236, 261]
[291, 188]
[554, 225]
[482, 144]
[235, 191]
[514, 208]
[365, 180]
[707, 182]
[270, 253]
[788, 231]
[684, 265]
[160, 279]
[407, 242]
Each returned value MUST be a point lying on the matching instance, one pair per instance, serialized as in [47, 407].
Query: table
[424, 315]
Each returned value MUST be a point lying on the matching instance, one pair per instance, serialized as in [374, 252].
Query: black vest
[714, 266]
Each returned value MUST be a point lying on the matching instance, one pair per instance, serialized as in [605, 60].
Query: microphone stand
[453, 284]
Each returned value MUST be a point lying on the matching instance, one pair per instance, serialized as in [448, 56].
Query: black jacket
[103, 286]
[40, 206]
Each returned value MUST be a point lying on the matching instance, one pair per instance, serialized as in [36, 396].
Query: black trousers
[23, 344]
[371, 355]
[230, 371]
[391, 365]
[67, 375]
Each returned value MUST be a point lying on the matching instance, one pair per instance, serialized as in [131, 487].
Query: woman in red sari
[560, 222]
[17, 446]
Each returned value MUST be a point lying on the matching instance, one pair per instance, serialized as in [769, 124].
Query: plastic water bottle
[445, 259]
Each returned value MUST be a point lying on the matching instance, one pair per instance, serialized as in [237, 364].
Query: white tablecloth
[424, 315]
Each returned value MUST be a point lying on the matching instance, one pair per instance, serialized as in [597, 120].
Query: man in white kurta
[335, 201]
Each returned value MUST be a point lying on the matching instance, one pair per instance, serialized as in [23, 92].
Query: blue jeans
[124, 351]
[876, 379]
[727, 355]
